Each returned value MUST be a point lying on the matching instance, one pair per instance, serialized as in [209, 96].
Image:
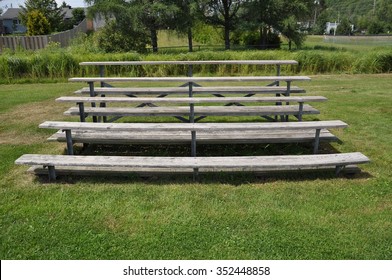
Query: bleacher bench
[258, 132]
[243, 163]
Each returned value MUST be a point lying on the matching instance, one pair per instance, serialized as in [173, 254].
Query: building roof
[67, 11]
[11, 13]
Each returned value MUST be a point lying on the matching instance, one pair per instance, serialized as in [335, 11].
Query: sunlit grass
[223, 216]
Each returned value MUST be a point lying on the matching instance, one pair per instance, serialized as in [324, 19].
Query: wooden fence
[40, 42]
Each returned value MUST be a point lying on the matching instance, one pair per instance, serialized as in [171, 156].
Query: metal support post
[301, 109]
[81, 112]
[52, 173]
[316, 141]
[102, 74]
[288, 94]
[338, 169]
[68, 136]
[92, 94]
[192, 120]
[193, 144]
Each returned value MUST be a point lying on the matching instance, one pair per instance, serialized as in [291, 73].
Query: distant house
[67, 12]
[10, 22]
[331, 27]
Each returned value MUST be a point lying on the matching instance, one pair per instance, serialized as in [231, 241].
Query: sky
[4, 4]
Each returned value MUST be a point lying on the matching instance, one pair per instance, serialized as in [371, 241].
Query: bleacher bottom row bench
[198, 164]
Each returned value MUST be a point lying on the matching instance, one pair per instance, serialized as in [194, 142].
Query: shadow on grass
[205, 150]
[209, 178]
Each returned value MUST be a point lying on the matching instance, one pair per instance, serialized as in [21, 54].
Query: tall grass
[60, 64]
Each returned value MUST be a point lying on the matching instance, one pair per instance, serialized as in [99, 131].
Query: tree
[384, 13]
[279, 15]
[78, 15]
[111, 38]
[186, 18]
[48, 8]
[155, 15]
[222, 13]
[322, 19]
[261, 16]
[123, 31]
[146, 16]
[289, 29]
[37, 23]
[375, 26]
[344, 27]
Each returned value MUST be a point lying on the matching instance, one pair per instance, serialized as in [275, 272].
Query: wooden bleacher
[195, 105]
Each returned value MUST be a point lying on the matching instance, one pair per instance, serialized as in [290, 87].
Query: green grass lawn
[288, 216]
[349, 43]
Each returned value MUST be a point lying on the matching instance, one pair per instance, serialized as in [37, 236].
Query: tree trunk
[227, 37]
[190, 41]
[289, 45]
[263, 35]
[154, 40]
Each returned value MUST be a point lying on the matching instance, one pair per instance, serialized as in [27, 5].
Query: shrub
[37, 23]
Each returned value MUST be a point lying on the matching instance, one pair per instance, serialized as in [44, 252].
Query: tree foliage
[37, 23]
[123, 31]
[222, 13]
[78, 15]
[344, 27]
[142, 16]
[269, 16]
[48, 8]
[375, 17]
[266, 17]
[111, 38]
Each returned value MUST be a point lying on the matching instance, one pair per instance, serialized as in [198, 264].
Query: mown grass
[223, 216]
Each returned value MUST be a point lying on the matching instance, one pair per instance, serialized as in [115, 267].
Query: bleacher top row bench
[192, 79]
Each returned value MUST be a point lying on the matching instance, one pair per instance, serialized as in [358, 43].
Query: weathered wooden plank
[208, 127]
[199, 111]
[195, 90]
[183, 137]
[192, 79]
[245, 162]
[191, 62]
[191, 100]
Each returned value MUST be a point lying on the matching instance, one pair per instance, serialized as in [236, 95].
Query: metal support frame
[68, 135]
[316, 141]
[192, 120]
[103, 84]
[92, 94]
[81, 112]
[268, 118]
[339, 169]
[301, 109]
[51, 173]
[288, 94]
